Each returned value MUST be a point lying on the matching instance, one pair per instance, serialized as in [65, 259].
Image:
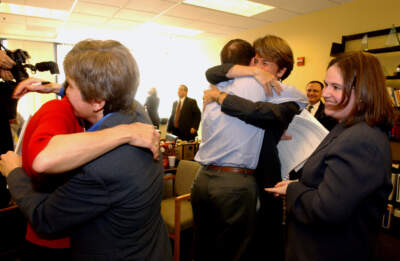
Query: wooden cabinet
[395, 146]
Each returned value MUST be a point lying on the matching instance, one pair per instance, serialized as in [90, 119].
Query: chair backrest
[185, 174]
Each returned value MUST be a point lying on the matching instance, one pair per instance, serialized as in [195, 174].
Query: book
[397, 189]
[391, 95]
[307, 133]
[397, 97]
[387, 216]
[394, 183]
[18, 147]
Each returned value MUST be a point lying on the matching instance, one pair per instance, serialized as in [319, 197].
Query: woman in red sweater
[57, 117]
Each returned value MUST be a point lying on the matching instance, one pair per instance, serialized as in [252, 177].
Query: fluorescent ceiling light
[33, 11]
[239, 7]
[170, 29]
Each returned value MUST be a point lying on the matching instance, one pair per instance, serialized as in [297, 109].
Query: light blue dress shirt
[228, 141]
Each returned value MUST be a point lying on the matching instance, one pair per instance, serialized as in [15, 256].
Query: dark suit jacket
[110, 207]
[274, 118]
[325, 120]
[151, 104]
[6, 144]
[189, 118]
[6, 140]
[335, 211]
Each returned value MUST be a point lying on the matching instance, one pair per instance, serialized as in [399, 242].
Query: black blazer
[110, 207]
[189, 118]
[325, 120]
[6, 142]
[335, 211]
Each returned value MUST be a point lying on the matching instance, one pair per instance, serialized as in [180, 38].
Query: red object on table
[165, 163]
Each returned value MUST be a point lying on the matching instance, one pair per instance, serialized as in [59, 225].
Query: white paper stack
[307, 133]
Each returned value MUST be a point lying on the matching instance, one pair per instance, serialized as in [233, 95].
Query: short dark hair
[317, 82]
[237, 51]
[277, 50]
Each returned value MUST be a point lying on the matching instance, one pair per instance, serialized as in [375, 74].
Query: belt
[230, 169]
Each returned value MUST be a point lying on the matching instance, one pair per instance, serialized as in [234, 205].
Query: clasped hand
[8, 162]
[210, 95]
[280, 188]
[268, 81]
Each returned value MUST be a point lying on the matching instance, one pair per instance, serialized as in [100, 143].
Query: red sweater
[53, 118]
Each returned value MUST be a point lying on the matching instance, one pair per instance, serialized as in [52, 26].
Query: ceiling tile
[72, 25]
[59, 5]
[12, 19]
[212, 16]
[65, 5]
[21, 31]
[43, 29]
[197, 25]
[87, 19]
[132, 15]
[153, 6]
[191, 12]
[11, 27]
[298, 6]
[116, 3]
[95, 9]
[17, 2]
[43, 22]
[118, 15]
[122, 24]
[275, 15]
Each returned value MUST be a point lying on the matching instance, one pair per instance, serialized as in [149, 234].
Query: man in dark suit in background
[315, 105]
[151, 107]
[185, 117]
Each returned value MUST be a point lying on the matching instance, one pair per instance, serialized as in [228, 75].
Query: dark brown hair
[237, 51]
[104, 70]
[277, 50]
[363, 73]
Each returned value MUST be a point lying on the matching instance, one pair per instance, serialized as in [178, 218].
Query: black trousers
[224, 209]
[268, 240]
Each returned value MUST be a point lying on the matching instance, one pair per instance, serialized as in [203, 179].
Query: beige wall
[311, 35]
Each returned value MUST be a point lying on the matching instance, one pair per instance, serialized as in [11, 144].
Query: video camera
[18, 70]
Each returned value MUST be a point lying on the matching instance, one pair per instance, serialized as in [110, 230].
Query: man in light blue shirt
[224, 193]
[227, 140]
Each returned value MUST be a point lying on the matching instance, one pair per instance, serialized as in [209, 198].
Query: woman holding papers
[335, 209]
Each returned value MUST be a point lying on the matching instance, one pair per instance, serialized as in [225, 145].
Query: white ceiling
[127, 15]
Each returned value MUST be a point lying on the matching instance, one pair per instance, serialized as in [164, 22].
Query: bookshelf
[393, 77]
[389, 56]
